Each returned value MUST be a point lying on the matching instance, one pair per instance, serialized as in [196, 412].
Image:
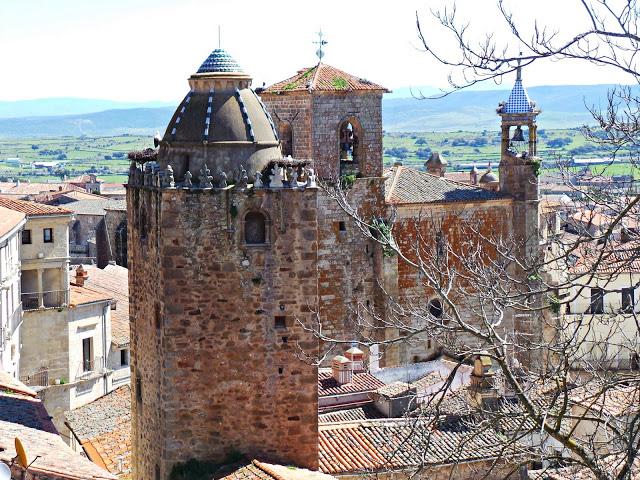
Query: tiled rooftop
[85, 295]
[103, 428]
[361, 382]
[9, 219]
[219, 61]
[394, 389]
[267, 471]
[406, 185]
[401, 443]
[32, 209]
[323, 77]
[366, 412]
[25, 189]
[95, 206]
[113, 280]
[24, 417]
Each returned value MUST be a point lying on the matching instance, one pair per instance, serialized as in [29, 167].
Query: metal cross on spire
[321, 43]
[519, 69]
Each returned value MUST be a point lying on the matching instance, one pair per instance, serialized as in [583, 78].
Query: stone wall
[422, 223]
[295, 109]
[212, 374]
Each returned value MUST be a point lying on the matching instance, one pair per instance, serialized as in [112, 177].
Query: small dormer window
[255, 228]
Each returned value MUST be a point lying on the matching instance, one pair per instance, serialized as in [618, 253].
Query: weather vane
[321, 43]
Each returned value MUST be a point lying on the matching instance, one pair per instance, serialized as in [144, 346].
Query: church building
[242, 267]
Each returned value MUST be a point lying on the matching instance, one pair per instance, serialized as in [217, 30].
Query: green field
[107, 156]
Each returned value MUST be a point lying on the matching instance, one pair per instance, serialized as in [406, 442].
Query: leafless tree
[567, 381]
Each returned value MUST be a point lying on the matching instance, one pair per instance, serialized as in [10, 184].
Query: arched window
[286, 138]
[350, 136]
[77, 233]
[435, 308]
[255, 228]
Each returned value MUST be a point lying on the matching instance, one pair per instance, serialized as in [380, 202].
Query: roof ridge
[312, 86]
[396, 176]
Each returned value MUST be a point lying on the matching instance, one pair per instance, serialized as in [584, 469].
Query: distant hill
[43, 107]
[473, 110]
[136, 121]
[562, 107]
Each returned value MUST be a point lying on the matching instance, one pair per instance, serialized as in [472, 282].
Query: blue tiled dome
[518, 100]
[219, 61]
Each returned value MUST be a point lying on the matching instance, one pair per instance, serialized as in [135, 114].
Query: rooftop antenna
[219, 41]
[321, 43]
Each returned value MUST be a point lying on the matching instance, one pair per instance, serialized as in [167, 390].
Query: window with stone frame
[255, 228]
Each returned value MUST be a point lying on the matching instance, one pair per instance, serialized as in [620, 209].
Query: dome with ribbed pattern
[219, 61]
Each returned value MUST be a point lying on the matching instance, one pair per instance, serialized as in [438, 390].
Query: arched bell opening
[350, 146]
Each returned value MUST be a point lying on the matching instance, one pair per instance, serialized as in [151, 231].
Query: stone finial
[277, 178]
[222, 179]
[243, 179]
[311, 178]
[187, 179]
[148, 175]
[300, 178]
[167, 178]
[205, 177]
[291, 179]
[257, 183]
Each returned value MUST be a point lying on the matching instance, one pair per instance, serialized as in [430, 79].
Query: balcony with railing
[89, 368]
[48, 299]
[37, 379]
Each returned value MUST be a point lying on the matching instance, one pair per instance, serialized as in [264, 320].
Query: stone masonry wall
[329, 111]
[349, 264]
[217, 375]
[294, 108]
[425, 221]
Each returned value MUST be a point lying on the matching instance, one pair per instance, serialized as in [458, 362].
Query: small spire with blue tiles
[519, 101]
[219, 61]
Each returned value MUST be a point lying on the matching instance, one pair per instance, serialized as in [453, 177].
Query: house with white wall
[11, 225]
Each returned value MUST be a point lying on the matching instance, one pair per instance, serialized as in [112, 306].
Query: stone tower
[335, 118]
[519, 166]
[331, 116]
[223, 265]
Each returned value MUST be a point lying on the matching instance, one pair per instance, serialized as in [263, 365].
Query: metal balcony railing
[89, 367]
[37, 379]
[51, 298]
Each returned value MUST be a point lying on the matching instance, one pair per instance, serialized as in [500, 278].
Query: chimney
[482, 387]
[81, 276]
[625, 235]
[356, 357]
[341, 369]
[436, 165]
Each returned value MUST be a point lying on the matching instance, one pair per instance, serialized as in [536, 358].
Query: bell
[518, 136]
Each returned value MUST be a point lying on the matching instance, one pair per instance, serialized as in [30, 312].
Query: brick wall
[295, 109]
[217, 376]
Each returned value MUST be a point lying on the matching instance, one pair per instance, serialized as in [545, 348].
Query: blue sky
[141, 50]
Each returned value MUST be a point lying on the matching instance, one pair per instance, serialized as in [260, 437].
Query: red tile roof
[396, 444]
[9, 219]
[24, 417]
[113, 280]
[85, 295]
[267, 471]
[323, 77]
[361, 382]
[32, 209]
[103, 428]
[26, 189]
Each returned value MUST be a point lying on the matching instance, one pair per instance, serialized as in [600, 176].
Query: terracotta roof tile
[257, 470]
[103, 428]
[32, 209]
[113, 280]
[25, 417]
[366, 412]
[85, 295]
[27, 189]
[395, 389]
[361, 382]
[9, 219]
[409, 186]
[395, 444]
[323, 77]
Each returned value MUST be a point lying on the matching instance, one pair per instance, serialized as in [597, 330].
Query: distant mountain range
[473, 110]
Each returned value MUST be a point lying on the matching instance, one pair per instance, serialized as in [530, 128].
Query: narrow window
[280, 370]
[627, 300]
[435, 308]
[281, 322]
[26, 237]
[255, 228]
[349, 143]
[342, 226]
[47, 235]
[286, 139]
[87, 357]
[138, 390]
[597, 300]
[124, 357]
